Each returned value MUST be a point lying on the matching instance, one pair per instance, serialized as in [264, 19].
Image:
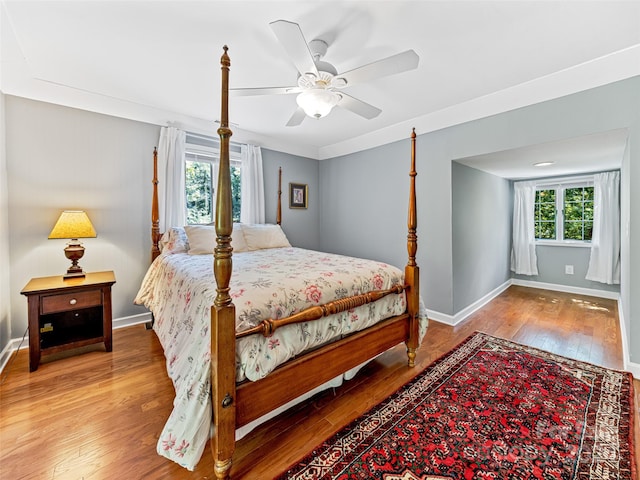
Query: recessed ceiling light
[543, 164]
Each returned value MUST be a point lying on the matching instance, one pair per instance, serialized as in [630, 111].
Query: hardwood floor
[98, 415]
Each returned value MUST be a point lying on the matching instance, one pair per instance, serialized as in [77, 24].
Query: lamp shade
[73, 224]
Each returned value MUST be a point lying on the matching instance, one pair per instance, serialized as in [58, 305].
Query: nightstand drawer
[71, 301]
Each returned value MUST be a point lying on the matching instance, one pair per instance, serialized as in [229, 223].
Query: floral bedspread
[273, 283]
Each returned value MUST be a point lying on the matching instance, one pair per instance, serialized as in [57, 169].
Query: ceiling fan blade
[297, 118]
[245, 92]
[293, 41]
[358, 106]
[398, 63]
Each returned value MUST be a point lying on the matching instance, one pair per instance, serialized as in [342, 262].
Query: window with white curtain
[563, 212]
[578, 211]
[202, 156]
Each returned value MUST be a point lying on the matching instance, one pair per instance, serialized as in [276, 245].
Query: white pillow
[174, 240]
[202, 238]
[238, 241]
[261, 236]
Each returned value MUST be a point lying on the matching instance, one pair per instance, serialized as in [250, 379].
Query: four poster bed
[289, 323]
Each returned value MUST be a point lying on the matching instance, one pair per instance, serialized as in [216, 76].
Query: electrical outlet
[568, 269]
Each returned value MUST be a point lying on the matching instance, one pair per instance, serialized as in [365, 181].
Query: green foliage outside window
[545, 214]
[199, 191]
[576, 208]
[235, 193]
[578, 213]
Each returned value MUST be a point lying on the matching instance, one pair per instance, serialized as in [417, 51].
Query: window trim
[563, 243]
[560, 185]
[209, 153]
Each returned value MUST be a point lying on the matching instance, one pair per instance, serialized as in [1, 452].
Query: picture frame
[298, 195]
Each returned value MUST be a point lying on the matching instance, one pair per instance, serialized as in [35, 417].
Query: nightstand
[66, 314]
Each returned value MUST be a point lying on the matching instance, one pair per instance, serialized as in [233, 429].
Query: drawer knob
[73, 301]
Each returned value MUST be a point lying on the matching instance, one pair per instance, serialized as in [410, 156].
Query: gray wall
[364, 211]
[627, 284]
[482, 206]
[357, 211]
[64, 158]
[61, 158]
[300, 225]
[5, 288]
[551, 268]
[364, 200]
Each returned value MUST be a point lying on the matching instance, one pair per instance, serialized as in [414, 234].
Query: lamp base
[74, 252]
[74, 274]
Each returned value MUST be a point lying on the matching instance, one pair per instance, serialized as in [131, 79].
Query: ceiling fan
[319, 86]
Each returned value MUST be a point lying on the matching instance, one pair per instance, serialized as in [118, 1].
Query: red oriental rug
[490, 409]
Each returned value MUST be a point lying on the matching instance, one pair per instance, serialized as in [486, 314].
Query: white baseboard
[441, 317]
[5, 355]
[590, 292]
[131, 320]
[634, 368]
[629, 366]
[454, 320]
[18, 343]
[11, 347]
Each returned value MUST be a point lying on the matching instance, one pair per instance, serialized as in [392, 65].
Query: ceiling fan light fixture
[318, 102]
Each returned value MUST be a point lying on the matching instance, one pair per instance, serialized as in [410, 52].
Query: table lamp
[73, 224]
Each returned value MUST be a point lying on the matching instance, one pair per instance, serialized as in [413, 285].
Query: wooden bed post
[223, 324]
[279, 211]
[412, 271]
[155, 215]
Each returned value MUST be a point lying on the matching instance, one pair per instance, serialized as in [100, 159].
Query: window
[545, 214]
[201, 179]
[578, 213]
[564, 212]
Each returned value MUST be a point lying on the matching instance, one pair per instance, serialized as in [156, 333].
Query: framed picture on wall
[298, 193]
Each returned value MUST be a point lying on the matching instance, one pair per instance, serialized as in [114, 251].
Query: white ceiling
[158, 61]
[590, 153]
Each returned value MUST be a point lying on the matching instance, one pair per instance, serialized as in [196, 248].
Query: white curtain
[604, 264]
[523, 250]
[252, 209]
[171, 184]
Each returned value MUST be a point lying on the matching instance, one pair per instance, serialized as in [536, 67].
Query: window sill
[555, 243]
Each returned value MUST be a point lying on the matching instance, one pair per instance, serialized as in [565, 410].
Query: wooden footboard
[268, 326]
[308, 371]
